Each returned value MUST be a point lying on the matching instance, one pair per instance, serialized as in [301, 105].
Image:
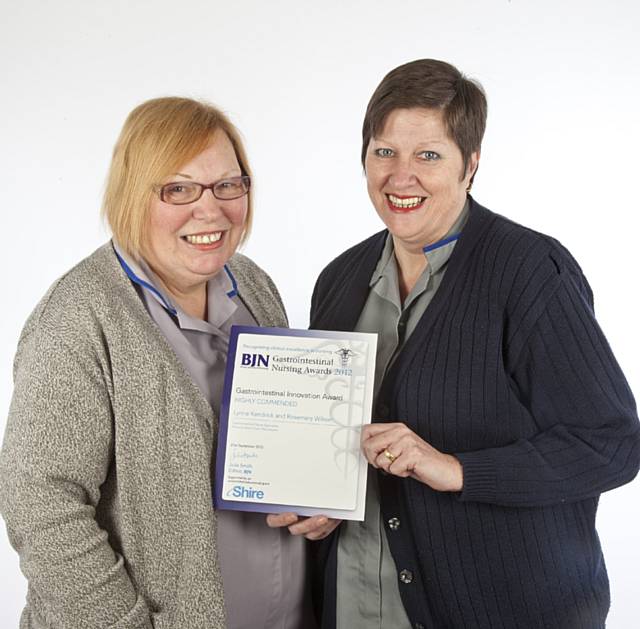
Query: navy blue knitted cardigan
[509, 371]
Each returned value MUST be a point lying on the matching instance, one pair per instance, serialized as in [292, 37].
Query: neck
[411, 264]
[412, 260]
[194, 304]
[192, 299]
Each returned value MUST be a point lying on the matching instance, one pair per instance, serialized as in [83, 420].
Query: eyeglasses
[183, 192]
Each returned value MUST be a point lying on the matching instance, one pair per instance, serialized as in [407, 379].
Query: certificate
[293, 406]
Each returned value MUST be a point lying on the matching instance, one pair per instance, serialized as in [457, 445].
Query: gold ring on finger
[390, 457]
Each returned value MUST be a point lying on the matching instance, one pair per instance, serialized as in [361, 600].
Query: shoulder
[525, 242]
[258, 290]
[245, 269]
[365, 253]
[521, 258]
[78, 304]
[342, 287]
[524, 273]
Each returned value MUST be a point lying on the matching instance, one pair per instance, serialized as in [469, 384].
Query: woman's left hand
[313, 528]
[397, 450]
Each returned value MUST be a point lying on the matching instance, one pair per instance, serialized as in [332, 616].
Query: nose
[207, 207]
[402, 174]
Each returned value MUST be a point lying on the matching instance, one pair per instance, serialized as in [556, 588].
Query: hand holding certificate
[293, 406]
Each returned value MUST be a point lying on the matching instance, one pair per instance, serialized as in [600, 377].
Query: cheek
[237, 213]
[164, 223]
[374, 183]
[447, 184]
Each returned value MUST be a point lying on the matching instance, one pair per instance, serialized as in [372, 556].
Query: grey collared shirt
[263, 569]
[368, 592]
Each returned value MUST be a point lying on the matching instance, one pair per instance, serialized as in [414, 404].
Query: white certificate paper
[293, 406]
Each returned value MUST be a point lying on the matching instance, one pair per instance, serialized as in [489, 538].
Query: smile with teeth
[405, 203]
[203, 239]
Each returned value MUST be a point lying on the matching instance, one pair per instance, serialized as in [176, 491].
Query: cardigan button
[394, 524]
[406, 576]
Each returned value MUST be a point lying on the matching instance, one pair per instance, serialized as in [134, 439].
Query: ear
[472, 166]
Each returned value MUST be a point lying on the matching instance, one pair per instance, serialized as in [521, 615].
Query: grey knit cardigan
[107, 462]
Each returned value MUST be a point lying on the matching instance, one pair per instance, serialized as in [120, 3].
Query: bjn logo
[255, 360]
[238, 491]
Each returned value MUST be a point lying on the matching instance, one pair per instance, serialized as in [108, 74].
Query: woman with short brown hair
[500, 413]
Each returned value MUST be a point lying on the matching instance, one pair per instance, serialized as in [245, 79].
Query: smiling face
[414, 177]
[188, 244]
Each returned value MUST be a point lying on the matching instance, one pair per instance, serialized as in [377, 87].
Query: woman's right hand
[313, 528]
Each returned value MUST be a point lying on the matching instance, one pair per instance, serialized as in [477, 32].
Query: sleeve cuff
[479, 477]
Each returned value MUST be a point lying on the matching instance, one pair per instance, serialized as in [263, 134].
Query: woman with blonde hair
[107, 465]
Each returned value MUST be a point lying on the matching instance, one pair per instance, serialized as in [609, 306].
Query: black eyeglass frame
[246, 180]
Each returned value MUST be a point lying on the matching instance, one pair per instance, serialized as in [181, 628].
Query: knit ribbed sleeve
[568, 378]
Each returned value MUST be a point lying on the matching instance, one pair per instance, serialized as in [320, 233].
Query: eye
[383, 152]
[429, 156]
[180, 192]
[231, 188]
[228, 186]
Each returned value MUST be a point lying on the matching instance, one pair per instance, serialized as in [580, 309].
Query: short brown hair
[158, 137]
[431, 84]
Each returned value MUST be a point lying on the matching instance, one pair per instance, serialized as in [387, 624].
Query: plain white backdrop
[560, 153]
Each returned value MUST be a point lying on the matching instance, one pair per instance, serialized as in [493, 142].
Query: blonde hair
[158, 137]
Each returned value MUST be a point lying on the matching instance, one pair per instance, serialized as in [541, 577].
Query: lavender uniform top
[263, 569]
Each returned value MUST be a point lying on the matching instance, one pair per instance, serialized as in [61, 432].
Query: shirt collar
[437, 253]
[221, 289]
[386, 258]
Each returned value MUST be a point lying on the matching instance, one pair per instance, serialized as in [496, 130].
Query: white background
[560, 154]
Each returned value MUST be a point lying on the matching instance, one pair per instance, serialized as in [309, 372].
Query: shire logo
[259, 361]
[240, 491]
